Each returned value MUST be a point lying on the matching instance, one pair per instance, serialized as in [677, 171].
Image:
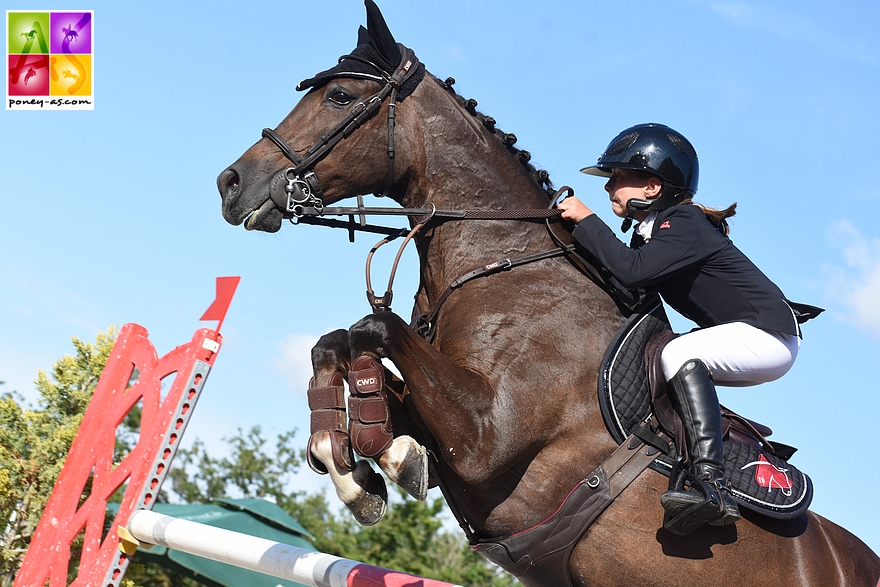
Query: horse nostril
[229, 182]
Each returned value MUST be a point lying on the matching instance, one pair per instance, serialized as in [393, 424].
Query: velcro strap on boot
[330, 420]
[368, 410]
[323, 398]
[328, 414]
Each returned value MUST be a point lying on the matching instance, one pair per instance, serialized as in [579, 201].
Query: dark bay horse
[506, 387]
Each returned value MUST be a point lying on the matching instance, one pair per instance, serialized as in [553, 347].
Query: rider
[748, 333]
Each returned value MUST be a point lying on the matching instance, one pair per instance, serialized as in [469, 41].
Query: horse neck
[463, 165]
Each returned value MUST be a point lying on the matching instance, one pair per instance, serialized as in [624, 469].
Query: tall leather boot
[709, 499]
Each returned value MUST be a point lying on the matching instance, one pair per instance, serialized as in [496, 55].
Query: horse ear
[363, 36]
[381, 37]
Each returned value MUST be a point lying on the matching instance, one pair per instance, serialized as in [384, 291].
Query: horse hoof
[370, 505]
[314, 463]
[406, 464]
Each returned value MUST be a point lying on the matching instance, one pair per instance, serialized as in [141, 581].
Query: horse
[69, 33]
[503, 389]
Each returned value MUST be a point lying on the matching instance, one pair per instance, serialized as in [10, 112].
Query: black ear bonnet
[377, 53]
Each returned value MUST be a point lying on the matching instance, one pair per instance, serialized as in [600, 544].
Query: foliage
[35, 442]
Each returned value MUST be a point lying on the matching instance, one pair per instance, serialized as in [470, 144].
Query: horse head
[354, 133]
[314, 155]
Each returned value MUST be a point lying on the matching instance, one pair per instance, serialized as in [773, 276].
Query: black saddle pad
[760, 481]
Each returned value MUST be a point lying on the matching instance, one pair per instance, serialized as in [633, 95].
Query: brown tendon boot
[403, 459]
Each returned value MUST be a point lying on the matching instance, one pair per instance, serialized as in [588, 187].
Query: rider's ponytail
[717, 217]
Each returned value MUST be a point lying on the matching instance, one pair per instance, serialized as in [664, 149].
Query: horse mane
[540, 177]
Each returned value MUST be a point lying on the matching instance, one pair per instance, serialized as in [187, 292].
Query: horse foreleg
[403, 459]
[360, 488]
[460, 399]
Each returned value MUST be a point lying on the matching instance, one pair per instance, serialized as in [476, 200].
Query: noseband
[303, 190]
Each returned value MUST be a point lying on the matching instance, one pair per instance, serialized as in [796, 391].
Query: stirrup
[687, 510]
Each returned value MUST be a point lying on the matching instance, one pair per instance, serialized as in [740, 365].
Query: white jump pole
[308, 567]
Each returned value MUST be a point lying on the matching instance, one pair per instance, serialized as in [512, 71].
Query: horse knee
[372, 333]
[331, 351]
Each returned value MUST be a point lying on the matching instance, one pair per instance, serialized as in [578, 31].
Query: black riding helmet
[659, 150]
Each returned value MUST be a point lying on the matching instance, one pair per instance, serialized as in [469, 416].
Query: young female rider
[747, 332]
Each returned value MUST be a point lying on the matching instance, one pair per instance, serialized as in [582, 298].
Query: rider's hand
[573, 209]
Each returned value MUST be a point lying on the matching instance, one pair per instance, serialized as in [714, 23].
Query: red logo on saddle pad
[665, 225]
[770, 476]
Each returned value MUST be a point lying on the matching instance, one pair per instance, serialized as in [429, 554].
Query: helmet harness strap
[662, 203]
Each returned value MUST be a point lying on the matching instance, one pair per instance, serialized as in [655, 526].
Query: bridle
[303, 189]
[301, 203]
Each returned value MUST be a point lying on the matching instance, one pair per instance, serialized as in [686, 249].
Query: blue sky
[113, 216]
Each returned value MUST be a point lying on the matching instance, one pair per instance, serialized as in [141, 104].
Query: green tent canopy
[256, 517]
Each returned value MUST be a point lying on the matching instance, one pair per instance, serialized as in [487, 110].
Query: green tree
[35, 442]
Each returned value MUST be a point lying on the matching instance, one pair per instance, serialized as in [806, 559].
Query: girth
[539, 556]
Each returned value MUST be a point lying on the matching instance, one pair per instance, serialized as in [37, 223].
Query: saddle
[633, 400]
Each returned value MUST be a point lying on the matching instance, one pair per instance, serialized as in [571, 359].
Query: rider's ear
[652, 190]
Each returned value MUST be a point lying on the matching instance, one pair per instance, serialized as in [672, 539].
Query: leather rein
[301, 204]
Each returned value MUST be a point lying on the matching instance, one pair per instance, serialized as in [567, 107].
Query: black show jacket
[696, 269]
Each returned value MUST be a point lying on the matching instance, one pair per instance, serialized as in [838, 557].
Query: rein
[626, 299]
[301, 201]
[315, 216]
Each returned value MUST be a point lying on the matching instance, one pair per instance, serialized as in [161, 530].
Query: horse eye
[341, 98]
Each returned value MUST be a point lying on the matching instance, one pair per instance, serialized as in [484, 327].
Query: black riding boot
[708, 500]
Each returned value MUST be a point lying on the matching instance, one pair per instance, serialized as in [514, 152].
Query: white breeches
[737, 354]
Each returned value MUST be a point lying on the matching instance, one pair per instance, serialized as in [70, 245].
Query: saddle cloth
[760, 480]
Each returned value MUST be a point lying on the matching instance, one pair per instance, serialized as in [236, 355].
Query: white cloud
[856, 284]
[295, 362]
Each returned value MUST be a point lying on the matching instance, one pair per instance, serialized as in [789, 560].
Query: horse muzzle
[240, 206]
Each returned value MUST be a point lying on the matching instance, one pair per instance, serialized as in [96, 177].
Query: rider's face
[626, 184]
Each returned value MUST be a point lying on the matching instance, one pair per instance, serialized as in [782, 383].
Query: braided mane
[540, 176]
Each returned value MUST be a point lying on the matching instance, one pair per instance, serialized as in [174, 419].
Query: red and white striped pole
[308, 567]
